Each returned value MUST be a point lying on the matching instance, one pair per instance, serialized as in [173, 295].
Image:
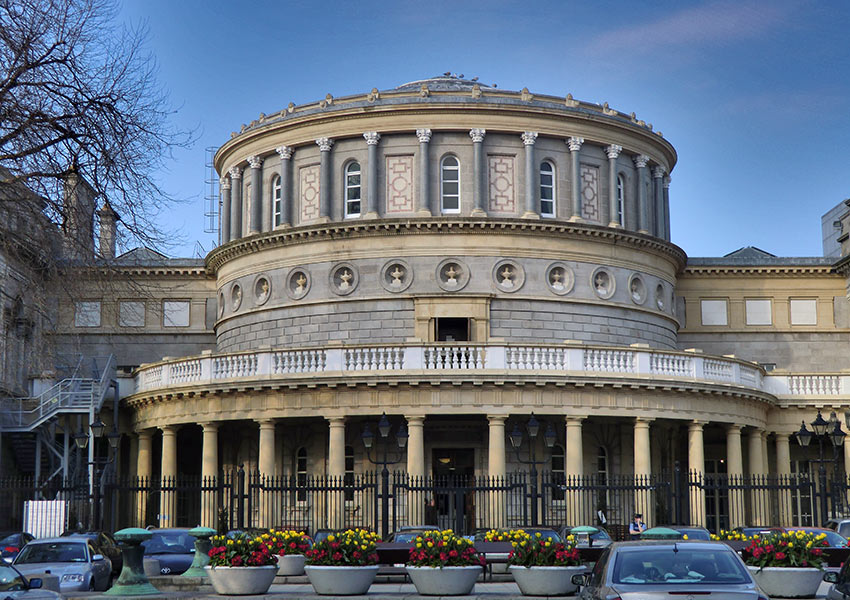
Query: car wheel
[91, 584]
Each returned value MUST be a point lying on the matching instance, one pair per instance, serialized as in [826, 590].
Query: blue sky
[754, 95]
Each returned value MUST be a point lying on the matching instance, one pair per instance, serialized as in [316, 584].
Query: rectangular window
[131, 314]
[87, 314]
[759, 312]
[547, 190]
[175, 313]
[714, 312]
[804, 311]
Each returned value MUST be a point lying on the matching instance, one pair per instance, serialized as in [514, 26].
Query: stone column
[755, 470]
[416, 468]
[667, 207]
[143, 472]
[372, 139]
[325, 145]
[479, 191]
[209, 475]
[578, 507]
[643, 470]
[658, 176]
[423, 209]
[285, 153]
[641, 161]
[575, 177]
[336, 469]
[783, 470]
[168, 495]
[236, 203]
[696, 469]
[735, 473]
[256, 224]
[224, 220]
[531, 186]
[266, 466]
[613, 151]
[496, 469]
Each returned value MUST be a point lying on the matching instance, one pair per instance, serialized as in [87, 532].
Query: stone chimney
[79, 205]
[108, 223]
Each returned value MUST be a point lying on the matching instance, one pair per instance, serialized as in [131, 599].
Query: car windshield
[670, 566]
[695, 534]
[544, 533]
[11, 540]
[10, 580]
[405, 537]
[169, 542]
[53, 552]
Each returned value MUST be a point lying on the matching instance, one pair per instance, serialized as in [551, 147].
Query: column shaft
[285, 153]
[372, 139]
[416, 500]
[209, 475]
[424, 209]
[336, 468]
[256, 224]
[696, 468]
[224, 220]
[266, 467]
[143, 472]
[643, 471]
[478, 166]
[735, 473]
[235, 203]
[578, 509]
[168, 497]
[575, 177]
[325, 145]
[496, 469]
[756, 471]
[667, 208]
[783, 471]
[658, 186]
[613, 151]
[531, 185]
[643, 217]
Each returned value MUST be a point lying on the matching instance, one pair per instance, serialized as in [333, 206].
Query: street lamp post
[81, 439]
[831, 430]
[533, 428]
[368, 438]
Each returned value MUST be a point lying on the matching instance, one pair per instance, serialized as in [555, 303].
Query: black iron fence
[237, 499]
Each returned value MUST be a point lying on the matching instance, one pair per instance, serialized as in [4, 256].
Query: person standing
[636, 527]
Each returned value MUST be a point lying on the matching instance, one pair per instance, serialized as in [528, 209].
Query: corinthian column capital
[658, 172]
[424, 135]
[529, 137]
[575, 143]
[372, 138]
[224, 183]
[325, 144]
[613, 151]
[235, 173]
[477, 135]
[641, 160]
[284, 151]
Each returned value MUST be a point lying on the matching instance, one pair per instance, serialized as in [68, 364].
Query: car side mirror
[34, 584]
[580, 579]
[830, 577]
[97, 557]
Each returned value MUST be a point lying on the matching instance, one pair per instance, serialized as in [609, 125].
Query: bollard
[132, 581]
[202, 537]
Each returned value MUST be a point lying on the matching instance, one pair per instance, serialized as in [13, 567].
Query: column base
[371, 215]
[615, 225]
[478, 212]
[643, 231]
[283, 226]
[575, 219]
[423, 212]
[321, 220]
[530, 215]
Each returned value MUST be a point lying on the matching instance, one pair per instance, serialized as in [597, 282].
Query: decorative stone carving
[637, 289]
[235, 297]
[374, 95]
[262, 290]
[590, 193]
[399, 184]
[575, 143]
[477, 135]
[325, 144]
[290, 108]
[476, 91]
[508, 276]
[603, 283]
[297, 283]
[666, 182]
[256, 162]
[309, 182]
[660, 299]
[613, 151]
[452, 275]
[344, 278]
[529, 137]
[641, 160]
[560, 278]
[607, 110]
[235, 173]
[424, 135]
[501, 196]
[658, 171]
[570, 101]
[285, 152]
[424, 91]
[224, 183]
[526, 95]
[372, 138]
[396, 276]
[220, 304]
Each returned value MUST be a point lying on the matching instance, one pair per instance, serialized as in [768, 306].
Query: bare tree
[79, 97]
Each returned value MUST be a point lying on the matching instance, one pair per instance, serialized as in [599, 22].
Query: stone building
[460, 257]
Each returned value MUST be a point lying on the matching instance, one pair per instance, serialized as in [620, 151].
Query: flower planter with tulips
[729, 536]
[787, 565]
[542, 566]
[443, 564]
[241, 565]
[343, 564]
[289, 546]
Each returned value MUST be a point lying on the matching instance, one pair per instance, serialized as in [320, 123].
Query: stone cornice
[749, 270]
[440, 225]
[144, 271]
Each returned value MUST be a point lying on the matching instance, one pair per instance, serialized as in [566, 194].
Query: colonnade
[653, 210]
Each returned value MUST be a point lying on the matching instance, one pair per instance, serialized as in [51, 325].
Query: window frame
[176, 301]
[443, 181]
[559, 475]
[551, 214]
[621, 200]
[301, 474]
[346, 186]
[277, 200]
[348, 475]
[78, 313]
[122, 303]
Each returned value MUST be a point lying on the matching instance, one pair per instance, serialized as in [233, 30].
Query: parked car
[499, 560]
[751, 530]
[11, 543]
[406, 535]
[649, 570]
[840, 588]
[174, 548]
[78, 565]
[842, 526]
[599, 539]
[692, 531]
[833, 538]
[105, 544]
[14, 585]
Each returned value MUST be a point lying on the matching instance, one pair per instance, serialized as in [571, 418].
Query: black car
[174, 548]
[11, 543]
[105, 544]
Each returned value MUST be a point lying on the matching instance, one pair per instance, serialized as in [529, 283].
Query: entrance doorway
[454, 482]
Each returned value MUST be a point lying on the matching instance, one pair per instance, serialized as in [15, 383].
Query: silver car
[645, 570]
[14, 585]
[73, 560]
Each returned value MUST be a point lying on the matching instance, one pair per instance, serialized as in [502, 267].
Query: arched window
[559, 474]
[352, 190]
[348, 478]
[449, 185]
[276, 200]
[547, 189]
[621, 200]
[301, 474]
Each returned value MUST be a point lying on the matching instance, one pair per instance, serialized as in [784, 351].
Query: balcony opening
[452, 329]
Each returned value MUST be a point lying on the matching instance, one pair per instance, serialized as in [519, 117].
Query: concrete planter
[788, 582]
[545, 581]
[341, 581]
[289, 565]
[241, 581]
[444, 581]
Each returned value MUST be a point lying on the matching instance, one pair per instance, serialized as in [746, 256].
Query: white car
[73, 560]
[14, 585]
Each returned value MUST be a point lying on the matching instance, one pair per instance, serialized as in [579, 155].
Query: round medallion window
[508, 276]
[396, 276]
[637, 289]
[220, 304]
[262, 290]
[603, 283]
[452, 274]
[236, 296]
[297, 283]
[560, 278]
[344, 278]
[660, 301]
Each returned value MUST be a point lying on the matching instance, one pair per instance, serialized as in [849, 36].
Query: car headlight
[73, 578]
